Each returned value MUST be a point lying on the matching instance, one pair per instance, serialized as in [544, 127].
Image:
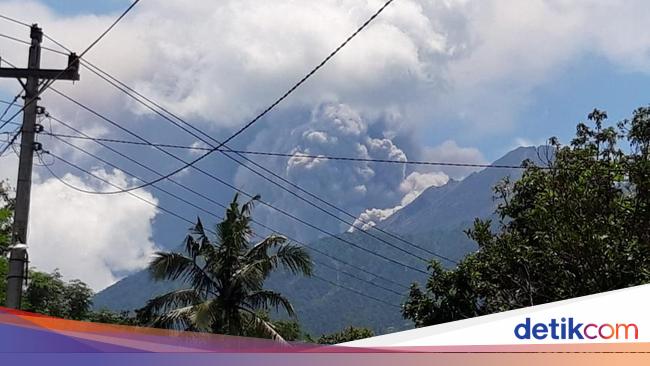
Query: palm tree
[225, 278]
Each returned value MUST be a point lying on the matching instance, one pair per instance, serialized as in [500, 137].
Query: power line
[199, 195]
[16, 132]
[294, 155]
[11, 141]
[356, 291]
[110, 28]
[63, 181]
[265, 111]
[361, 279]
[337, 269]
[353, 223]
[294, 217]
[278, 101]
[71, 64]
[188, 221]
[122, 86]
[9, 105]
[13, 20]
[15, 39]
[212, 176]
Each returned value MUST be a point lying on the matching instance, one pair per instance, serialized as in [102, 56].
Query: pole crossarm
[43, 74]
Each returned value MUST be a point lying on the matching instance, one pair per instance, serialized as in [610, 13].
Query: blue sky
[460, 81]
[73, 7]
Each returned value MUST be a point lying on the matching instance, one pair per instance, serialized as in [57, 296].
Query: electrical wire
[16, 39]
[223, 182]
[11, 141]
[13, 20]
[297, 155]
[11, 104]
[17, 131]
[122, 86]
[207, 198]
[356, 291]
[298, 219]
[294, 217]
[264, 112]
[47, 167]
[47, 85]
[353, 223]
[280, 99]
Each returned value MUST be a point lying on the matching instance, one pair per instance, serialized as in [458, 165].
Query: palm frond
[192, 247]
[252, 274]
[261, 249]
[267, 299]
[180, 318]
[204, 315]
[170, 300]
[173, 266]
[264, 327]
[247, 208]
[198, 229]
[293, 258]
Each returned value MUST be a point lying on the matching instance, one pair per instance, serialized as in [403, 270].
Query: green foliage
[346, 335]
[226, 277]
[578, 228]
[48, 294]
[6, 215]
[289, 330]
[109, 317]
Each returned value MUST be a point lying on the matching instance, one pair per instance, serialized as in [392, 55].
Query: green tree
[6, 215]
[575, 228]
[346, 335]
[49, 294]
[289, 330]
[226, 278]
[109, 317]
[79, 298]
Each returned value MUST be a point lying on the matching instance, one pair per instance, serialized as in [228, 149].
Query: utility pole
[18, 260]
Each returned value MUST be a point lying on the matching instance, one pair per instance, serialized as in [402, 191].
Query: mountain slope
[458, 203]
[435, 220]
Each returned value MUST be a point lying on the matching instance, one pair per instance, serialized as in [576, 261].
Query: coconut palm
[225, 278]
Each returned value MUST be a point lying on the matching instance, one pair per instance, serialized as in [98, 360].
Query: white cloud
[417, 182]
[95, 238]
[421, 62]
[450, 152]
[221, 62]
[412, 186]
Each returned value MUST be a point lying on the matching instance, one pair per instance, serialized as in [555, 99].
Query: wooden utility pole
[33, 75]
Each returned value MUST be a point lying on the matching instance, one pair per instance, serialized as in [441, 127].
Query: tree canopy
[575, 227]
[346, 335]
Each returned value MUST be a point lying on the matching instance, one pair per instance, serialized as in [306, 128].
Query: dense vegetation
[577, 227]
[348, 334]
[575, 223]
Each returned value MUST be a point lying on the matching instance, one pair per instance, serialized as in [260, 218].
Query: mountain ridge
[435, 220]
